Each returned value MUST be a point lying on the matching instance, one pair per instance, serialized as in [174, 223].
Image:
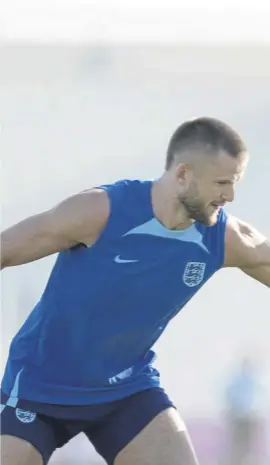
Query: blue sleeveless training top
[88, 340]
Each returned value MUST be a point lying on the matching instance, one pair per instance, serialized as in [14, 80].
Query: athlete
[131, 255]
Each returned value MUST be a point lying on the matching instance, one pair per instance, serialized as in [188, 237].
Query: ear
[183, 172]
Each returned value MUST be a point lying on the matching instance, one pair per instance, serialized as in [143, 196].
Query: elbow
[3, 262]
[6, 257]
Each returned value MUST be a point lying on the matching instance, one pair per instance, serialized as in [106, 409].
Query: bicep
[79, 218]
[245, 246]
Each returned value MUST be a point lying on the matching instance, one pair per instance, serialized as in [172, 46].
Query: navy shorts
[109, 427]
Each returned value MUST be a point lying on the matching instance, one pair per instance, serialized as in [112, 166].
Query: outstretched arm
[247, 249]
[78, 219]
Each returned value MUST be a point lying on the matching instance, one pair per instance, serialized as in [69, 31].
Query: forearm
[260, 274]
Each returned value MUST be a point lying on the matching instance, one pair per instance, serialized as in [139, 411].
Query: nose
[229, 194]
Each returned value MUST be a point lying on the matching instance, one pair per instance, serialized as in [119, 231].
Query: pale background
[91, 93]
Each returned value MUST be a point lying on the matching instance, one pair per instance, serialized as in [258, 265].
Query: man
[132, 254]
[243, 397]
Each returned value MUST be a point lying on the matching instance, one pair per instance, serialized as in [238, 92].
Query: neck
[166, 206]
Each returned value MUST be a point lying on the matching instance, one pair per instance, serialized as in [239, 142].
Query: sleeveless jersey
[89, 338]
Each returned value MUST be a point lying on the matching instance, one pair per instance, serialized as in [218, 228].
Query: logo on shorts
[194, 273]
[121, 376]
[24, 416]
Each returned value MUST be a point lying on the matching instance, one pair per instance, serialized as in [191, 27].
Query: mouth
[217, 205]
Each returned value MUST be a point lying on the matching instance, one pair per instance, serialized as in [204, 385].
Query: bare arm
[78, 219]
[247, 249]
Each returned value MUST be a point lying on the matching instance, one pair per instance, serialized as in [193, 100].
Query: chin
[208, 220]
[213, 219]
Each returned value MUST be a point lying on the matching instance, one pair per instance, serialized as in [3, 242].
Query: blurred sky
[136, 20]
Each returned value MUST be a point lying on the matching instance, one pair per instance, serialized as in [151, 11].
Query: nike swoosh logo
[118, 259]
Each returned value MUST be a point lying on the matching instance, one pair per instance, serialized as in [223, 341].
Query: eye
[223, 183]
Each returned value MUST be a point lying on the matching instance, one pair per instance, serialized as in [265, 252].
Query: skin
[190, 190]
[195, 191]
[16, 451]
[164, 440]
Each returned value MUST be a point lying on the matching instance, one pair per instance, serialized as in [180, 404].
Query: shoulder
[84, 215]
[124, 185]
[91, 202]
[241, 243]
[126, 193]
